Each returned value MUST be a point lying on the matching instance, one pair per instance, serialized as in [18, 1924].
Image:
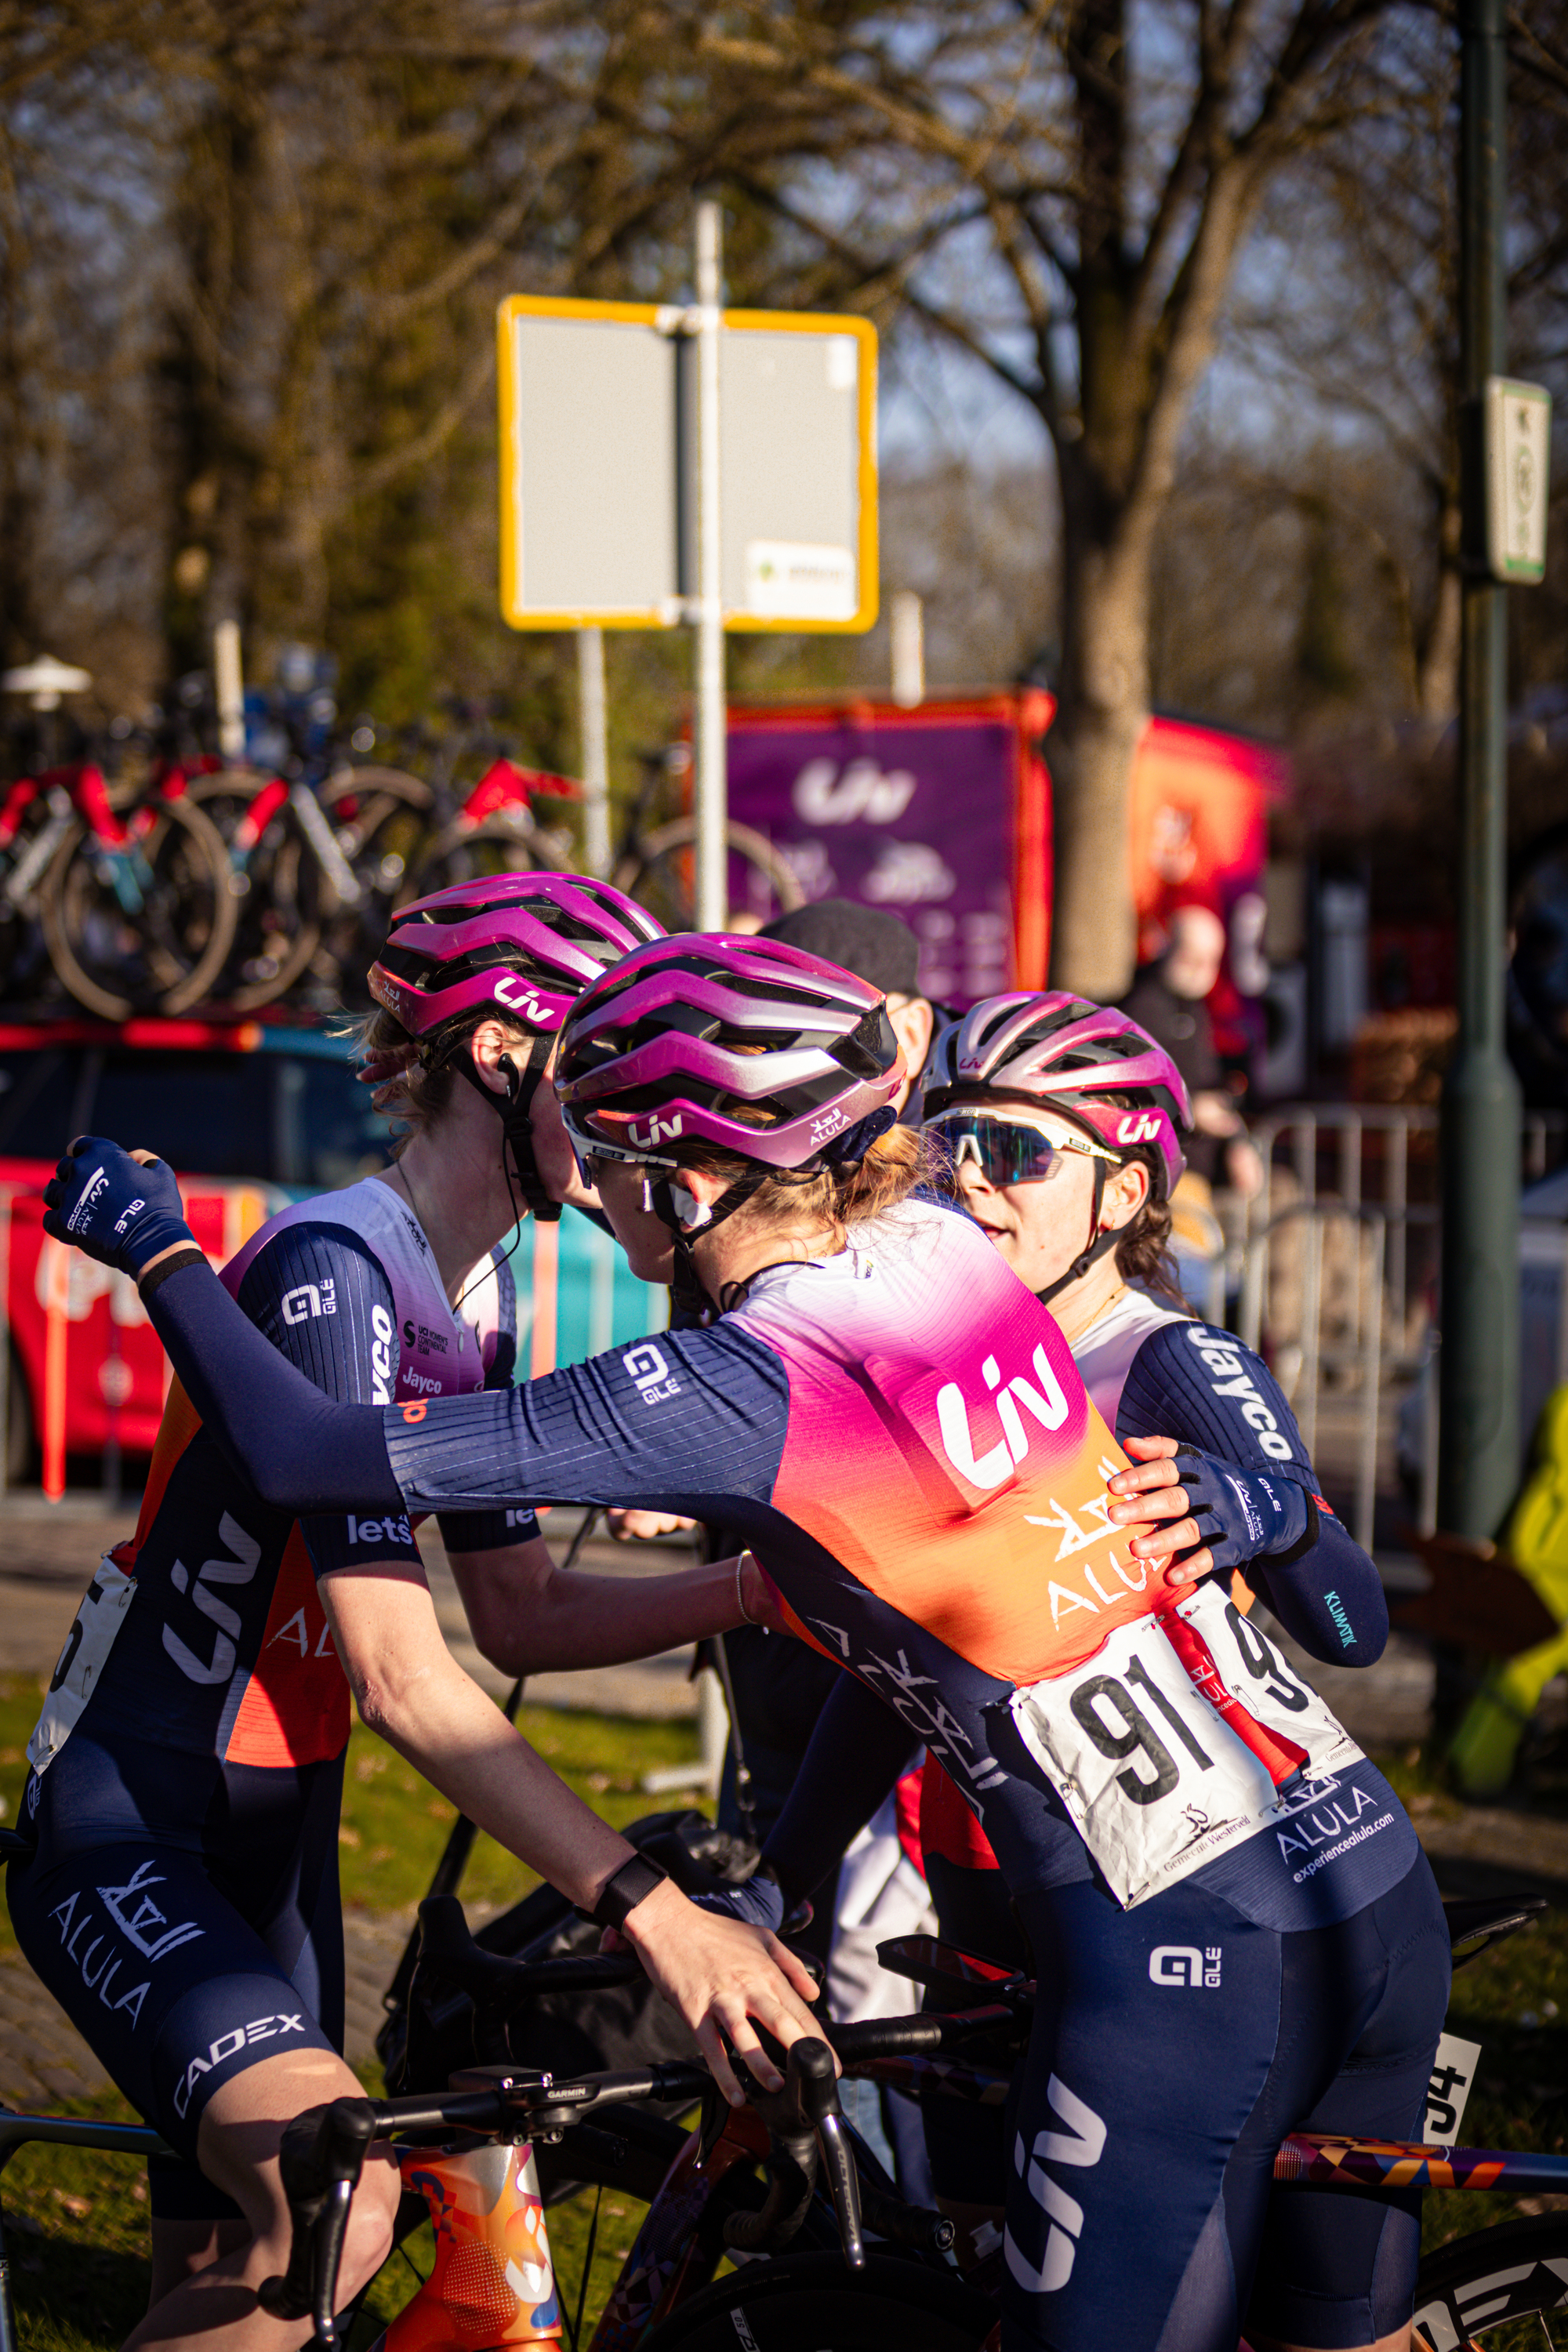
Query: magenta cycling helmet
[1095, 1065]
[773, 1054]
[525, 945]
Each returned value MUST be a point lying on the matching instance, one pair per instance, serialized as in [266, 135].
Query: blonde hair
[404, 1087]
[836, 1198]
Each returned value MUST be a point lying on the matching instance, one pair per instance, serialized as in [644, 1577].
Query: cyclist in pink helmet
[896, 1424]
[208, 1763]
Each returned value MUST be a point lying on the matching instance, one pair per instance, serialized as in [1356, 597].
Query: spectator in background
[1168, 998]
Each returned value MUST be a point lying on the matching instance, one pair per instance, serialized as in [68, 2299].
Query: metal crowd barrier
[1367, 1148]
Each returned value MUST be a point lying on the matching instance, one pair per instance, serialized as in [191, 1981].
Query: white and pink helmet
[1062, 1053]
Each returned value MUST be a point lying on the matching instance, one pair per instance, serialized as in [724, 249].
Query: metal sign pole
[1479, 1460]
[594, 721]
[712, 857]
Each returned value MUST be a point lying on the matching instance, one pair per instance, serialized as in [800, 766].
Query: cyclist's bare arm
[528, 1616]
[725, 1978]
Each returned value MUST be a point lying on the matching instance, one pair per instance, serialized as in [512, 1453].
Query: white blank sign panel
[598, 467]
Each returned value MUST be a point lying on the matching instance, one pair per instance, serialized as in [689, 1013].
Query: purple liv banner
[899, 811]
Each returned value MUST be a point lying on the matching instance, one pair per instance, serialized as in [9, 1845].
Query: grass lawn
[79, 2220]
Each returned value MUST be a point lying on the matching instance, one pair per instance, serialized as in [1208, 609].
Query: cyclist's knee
[367, 2242]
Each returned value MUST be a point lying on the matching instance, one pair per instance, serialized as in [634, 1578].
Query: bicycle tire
[166, 957]
[657, 872]
[384, 842]
[814, 2302]
[465, 853]
[1498, 2288]
[279, 917]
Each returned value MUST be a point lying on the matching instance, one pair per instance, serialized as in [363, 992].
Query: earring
[647, 1196]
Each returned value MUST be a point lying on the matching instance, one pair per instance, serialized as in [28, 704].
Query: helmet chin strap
[687, 1217]
[1099, 1243]
[517, 1128]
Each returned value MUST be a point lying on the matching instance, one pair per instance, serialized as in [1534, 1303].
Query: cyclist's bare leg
[240, 2134]
[181, 2249]
[1400, 2341]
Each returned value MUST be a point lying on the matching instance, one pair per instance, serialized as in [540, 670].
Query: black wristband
[618, 1895]
[1304, 1541]
[168, 1266]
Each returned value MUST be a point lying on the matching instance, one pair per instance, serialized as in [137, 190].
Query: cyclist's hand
[123, 1208]
[647, 1526]
[726, 1980]
[1152, 1491]
[759, 1597]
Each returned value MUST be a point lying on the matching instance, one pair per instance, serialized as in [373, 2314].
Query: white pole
[595, 751]
[906, 628]
[712, 795]
[230, 686]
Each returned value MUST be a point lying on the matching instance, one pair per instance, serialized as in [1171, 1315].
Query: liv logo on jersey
[1083, 2144]
[1045, 1401]
[1184, 1964]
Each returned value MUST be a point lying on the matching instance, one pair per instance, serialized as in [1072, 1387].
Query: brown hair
[838, 1198]
[402, 1087]
[1143, 1247]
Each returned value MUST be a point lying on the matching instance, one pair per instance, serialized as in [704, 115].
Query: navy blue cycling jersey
[183, 1900]
[900, 1433]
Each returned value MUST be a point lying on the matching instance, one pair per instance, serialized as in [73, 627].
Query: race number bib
[75, 1678]
[1149, 1767]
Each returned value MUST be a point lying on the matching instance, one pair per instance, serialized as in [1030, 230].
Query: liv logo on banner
[911, 815]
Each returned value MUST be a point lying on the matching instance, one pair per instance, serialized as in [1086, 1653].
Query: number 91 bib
[1152, 1773]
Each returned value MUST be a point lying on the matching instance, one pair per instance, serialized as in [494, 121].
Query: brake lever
[321, 2158]
[810, 2064]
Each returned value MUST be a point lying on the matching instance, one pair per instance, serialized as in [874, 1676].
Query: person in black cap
[878, 947]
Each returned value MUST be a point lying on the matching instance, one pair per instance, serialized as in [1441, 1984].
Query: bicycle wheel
[1505, 2288]
[660, 871]
[381, 819]
[507, 844]
[278, 909]
[147, 929]
[812, 2302]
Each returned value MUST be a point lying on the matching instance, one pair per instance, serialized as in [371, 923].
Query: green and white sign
[1518, 455]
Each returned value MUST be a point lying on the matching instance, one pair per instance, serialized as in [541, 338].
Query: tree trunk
[1101, 713]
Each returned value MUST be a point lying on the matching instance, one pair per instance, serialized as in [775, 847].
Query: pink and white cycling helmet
[1065, 1054]
[749, 1044]
[523, 945]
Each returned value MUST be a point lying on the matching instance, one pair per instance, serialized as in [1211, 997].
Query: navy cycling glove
[759, 1903]
[110, 1205]
[1246, 1515]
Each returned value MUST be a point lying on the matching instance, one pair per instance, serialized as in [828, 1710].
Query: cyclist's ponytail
[836, 1198]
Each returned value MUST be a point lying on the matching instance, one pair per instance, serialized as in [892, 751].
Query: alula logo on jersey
[1041, 1397]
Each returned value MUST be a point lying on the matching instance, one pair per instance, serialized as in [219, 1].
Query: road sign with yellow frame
[598, 471]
